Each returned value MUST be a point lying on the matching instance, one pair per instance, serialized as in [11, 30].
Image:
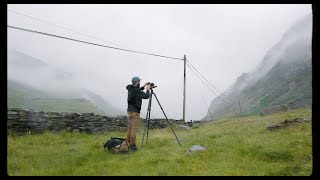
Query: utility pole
[240, 108]
[184, 88]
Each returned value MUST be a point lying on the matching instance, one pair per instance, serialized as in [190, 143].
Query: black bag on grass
[117, 145]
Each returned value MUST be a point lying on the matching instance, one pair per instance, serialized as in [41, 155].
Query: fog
[221, 41]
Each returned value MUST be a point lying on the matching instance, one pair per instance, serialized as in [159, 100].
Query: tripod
[147, 126]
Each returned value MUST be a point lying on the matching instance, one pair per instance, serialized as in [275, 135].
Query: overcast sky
[222, 42]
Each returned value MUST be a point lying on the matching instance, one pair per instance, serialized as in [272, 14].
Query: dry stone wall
[31, 121]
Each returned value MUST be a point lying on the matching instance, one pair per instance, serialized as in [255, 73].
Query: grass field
[237, 146]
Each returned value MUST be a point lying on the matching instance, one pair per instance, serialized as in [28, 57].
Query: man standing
[135, 96]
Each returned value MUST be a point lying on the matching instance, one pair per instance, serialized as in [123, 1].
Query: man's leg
[129, 127]
[135, 122]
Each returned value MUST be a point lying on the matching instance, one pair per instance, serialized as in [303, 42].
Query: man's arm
[143, 95]
[142, 88]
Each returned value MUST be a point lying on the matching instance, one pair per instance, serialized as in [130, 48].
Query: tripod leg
[147, 121]
[167, 118]
[145, 127]
[150, 100]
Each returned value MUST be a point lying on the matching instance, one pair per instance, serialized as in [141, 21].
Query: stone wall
[31, 121]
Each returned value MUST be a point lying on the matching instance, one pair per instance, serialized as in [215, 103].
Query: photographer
[135, 96]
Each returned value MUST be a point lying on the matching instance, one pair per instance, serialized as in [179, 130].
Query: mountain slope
[34, 84]
[26, 97]
[101, 103]
[283, 77]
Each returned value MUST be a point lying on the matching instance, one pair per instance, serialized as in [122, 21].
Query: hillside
[283, 77]
[34, 84]
[234, 146]
[26, 97]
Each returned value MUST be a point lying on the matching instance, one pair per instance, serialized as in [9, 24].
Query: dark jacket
[135, 96]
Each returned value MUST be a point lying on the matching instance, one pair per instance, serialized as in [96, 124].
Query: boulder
[184, 127]
[195, 148]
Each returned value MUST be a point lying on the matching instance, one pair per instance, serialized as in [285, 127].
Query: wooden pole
[184, 88]
[240, 109]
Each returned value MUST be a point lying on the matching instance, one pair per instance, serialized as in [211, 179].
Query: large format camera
[152, 85]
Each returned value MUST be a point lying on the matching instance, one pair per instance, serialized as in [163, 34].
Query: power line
[50, 23]
[201, 95]
[208, 108]
[222, 95]
[202, 81]
[208, 81]
[207, 85]
[193, 72]
[213, 91]
[234, 111]
[95, 44]
[37, 19]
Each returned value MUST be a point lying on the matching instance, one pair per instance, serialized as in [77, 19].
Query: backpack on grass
[117, 145]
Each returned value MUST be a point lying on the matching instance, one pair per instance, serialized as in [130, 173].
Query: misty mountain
[26, 97]
[284, 76]
[34, 84]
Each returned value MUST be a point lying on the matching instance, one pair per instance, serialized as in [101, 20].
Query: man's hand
[145, 85]
[148, 86]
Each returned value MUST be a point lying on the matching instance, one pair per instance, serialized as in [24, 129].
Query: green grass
[237, 146]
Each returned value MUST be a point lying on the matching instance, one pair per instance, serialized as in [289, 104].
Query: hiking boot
[133, 147]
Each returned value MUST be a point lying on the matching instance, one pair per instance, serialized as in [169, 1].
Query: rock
[12, 112]
[184, 127]
[52, 115]
[22, 113]
[15, 109]
[195, 148]
[88, 114]
[286, 123]
[12, 116]
[292, 85]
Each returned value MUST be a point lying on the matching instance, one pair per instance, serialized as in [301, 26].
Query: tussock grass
[237, 146]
